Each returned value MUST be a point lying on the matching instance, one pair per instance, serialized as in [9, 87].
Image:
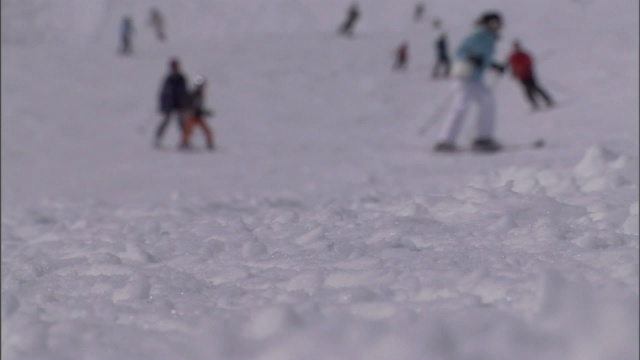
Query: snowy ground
[323, 228]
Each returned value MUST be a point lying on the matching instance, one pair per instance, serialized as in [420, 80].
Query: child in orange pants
[197, 113]
[188, 130]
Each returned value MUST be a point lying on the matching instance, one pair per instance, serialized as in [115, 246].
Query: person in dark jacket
[521, 65]
[418, 12]
[173, 98]
[196, 114]
[443, 63]
[126, 33]
[353, 14]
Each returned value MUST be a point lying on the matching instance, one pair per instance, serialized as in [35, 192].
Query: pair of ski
[536, 144]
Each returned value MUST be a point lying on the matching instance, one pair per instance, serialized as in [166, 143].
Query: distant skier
[126, 34]
[156, 21]
[196, 114]
[473, 57]
[173, 99]
[443, 64]
[353, 14]
[418, 12]
[521, 65]
[401, 56]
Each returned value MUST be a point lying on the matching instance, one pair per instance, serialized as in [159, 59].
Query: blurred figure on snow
[401, 56]
[353, 14]
[473, 57]
[126, 33]
[196, 114]
[156, 21]
[443, 64]
[418, 12]
[521, 65]
[173, 99]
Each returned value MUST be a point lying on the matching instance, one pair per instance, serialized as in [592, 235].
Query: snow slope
[323, 228]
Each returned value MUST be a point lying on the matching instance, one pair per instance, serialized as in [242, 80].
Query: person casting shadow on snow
[195, 115]
[521, 65]
[353, 14]
[473, 57]
[173, 99]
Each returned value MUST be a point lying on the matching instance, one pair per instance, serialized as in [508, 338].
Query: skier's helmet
[489, 17]
[174, 64]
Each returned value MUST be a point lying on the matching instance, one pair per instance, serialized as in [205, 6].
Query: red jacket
[521, 65]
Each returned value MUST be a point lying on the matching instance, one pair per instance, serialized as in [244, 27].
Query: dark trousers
[401, 59]
[167, 119]
[441, 68]
[533, 90]
[347, 27]
[126, 45]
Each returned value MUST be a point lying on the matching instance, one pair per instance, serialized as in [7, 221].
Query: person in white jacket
[473, 57]
[156, 21]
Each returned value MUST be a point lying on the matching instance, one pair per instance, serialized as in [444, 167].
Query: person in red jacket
[521, 65]
[402, 56]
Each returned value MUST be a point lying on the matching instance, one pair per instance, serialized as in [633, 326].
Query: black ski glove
[475, 60]
[498, 67]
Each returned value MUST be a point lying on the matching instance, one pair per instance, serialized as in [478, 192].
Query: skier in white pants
[473, 57]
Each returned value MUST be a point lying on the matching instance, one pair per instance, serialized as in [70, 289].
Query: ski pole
[495, 82]
[432, 120]
[143, 127]
[555, 85]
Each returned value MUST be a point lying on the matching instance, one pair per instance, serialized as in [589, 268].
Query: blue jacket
[126, 28]
[480, 44]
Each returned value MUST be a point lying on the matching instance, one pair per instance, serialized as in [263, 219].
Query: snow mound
[600, 169]
[517, 259]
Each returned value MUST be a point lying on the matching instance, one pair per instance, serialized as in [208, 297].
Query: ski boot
[486, 145]
[444, 147]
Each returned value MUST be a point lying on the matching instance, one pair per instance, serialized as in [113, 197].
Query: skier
[156, 21]
[402, 56]
[196, 114]
[126, 32]
[353, 14]
[418, 12]
[173, 98]
[443, 64]
[521, 65]
[473, 57]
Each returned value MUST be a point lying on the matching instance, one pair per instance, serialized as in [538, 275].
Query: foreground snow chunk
[521, 263]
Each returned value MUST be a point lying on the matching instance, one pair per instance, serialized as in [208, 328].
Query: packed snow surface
[323, 227]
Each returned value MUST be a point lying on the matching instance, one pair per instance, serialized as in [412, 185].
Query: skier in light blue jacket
[473, 58]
